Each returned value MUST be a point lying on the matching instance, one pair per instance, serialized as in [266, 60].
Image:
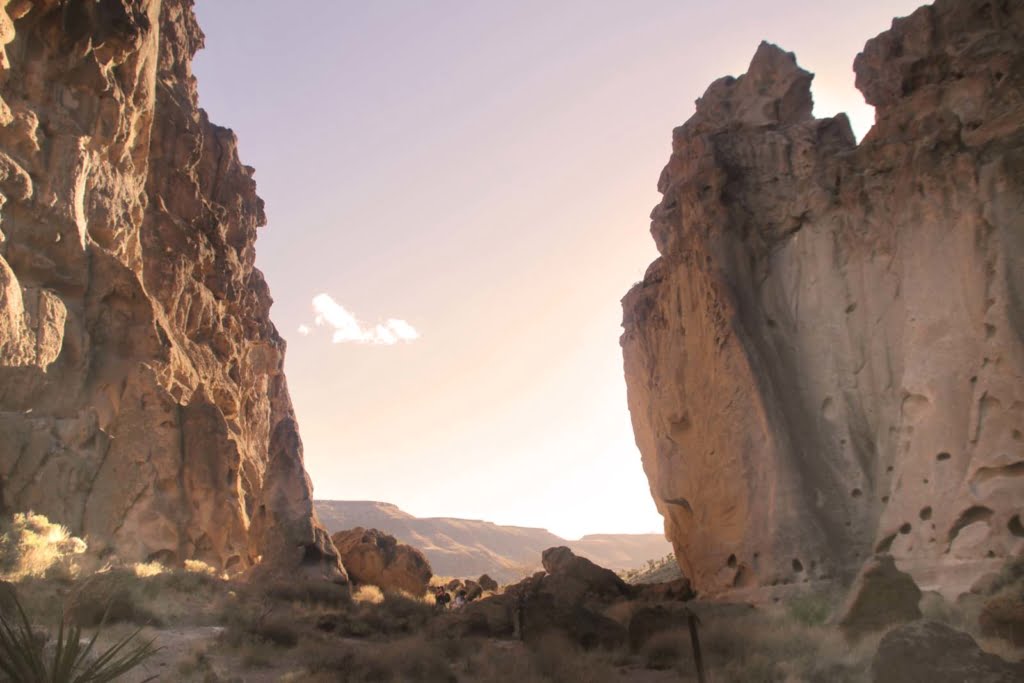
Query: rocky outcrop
[142, 398]
[373, 557]
[826, 359]
[881, 596]
[930, 651]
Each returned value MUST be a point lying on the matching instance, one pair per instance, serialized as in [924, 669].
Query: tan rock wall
[142, 399]
[826, 359]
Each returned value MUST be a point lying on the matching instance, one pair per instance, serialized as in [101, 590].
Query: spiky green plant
[23, 658]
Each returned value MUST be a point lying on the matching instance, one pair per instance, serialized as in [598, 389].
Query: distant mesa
[464, 547]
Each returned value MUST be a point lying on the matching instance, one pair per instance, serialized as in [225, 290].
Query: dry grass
[368, 593]
[773, 646]
[33, 547]
[668, 650]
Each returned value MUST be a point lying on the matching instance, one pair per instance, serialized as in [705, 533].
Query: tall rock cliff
[142, 399]
[826, 360]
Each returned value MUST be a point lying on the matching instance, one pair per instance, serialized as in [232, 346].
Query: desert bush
[275, 629]
[555, 657]
[368, 593]
[309, 591]
[112, 596]
[812, 609]
[24, 659]
[32, 546]
[772, 646]
[667, 650]
[261, 621]
[407, 659]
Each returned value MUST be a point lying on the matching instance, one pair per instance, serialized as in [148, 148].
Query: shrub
[309, 591]
[111, 597]
[408, 659]
[368, 593]
[31, 546]
[23, 658]
[667, 649]
[811, 609]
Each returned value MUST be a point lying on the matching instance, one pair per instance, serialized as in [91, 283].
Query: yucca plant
[23, 659]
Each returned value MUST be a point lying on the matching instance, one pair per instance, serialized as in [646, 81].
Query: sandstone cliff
[142, 400]
[826, 360]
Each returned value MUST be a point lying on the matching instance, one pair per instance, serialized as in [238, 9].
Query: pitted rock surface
[142, 398]
[826, 361]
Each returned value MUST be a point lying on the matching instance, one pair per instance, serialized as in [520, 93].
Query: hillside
[468, 547]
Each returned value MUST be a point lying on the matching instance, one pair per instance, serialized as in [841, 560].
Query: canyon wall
[142, 399]
[826, 360]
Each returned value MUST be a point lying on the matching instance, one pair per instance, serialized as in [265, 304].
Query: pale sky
[458, 197]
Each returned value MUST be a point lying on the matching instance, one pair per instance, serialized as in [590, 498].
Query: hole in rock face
[731, 562]
[943, 456]
[885, 544]
[167, 558]
[1015, 526]
[924, 481]
[889, 468]
[798, 566]
[990, 553]
[926, 513]
[973, 514]
[885, 499]
[856, 493]
[851, 308]
[905, 528]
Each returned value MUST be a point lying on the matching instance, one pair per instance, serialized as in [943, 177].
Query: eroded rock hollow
[142, 399]
[826, 360]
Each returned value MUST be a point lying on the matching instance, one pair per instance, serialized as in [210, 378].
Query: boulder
[679, 590]
[1003, 617]
[373, 557]
[933, 652]
[574, 574]
[881, 596]
[473, 590]
[487, 583]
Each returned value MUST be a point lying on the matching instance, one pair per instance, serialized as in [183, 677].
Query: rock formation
[826, 360]
[931, 651]
[142, 399]
[373, 557]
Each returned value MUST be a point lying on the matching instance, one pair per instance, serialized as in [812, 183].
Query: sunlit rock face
[826, 360]
[142, 399]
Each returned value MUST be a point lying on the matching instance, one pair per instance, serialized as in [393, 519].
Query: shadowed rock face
[142, 399]
[826, 359]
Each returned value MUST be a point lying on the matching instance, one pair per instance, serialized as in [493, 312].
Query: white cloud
[304, 330]
[347, 328]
